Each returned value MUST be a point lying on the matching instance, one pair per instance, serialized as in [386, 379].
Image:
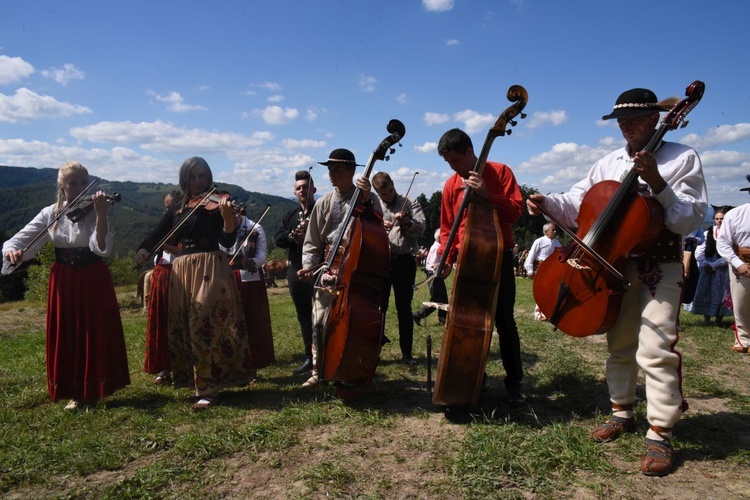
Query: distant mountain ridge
[25, 191]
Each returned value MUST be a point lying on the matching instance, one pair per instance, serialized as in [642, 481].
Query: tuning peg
[393, 150]
[523, 115]
[513, 123]
[387, 157]
[684, 124]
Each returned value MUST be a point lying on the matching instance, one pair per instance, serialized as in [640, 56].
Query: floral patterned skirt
[208, 343]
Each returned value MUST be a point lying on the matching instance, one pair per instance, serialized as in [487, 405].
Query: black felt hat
[748, 180]
[634, 102]
[340, 156]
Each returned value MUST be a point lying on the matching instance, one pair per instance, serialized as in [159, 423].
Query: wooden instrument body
[468, 333]
[592, 301]
[356, 319]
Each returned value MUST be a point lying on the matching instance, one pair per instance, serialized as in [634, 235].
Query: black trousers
[401, 277]
[505, 322]
[302, 296]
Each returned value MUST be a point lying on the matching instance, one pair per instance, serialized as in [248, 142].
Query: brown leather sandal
[612, 428]
[659, 458]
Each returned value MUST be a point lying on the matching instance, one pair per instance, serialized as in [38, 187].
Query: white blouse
[66, 235]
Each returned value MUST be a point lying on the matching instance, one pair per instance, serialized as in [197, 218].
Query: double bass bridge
[576, 264]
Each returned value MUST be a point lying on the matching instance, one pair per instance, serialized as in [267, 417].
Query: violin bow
[178, 226]
[601, 260]
[9, 267]
[520, 97]
[249, 234]
[406, 197]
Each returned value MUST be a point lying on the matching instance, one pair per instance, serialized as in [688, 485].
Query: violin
[86, 204]
[211, 202]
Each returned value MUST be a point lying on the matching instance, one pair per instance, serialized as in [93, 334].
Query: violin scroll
[520, 97]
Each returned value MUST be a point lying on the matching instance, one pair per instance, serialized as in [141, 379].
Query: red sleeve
[449, 204]
[504, 191]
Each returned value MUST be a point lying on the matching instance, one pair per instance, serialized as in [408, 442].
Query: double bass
[471, 311]
[349, 342]
[580, 287]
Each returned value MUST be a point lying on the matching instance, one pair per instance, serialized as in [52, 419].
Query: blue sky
[262, 89]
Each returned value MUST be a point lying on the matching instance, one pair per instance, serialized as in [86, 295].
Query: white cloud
[539, 119]
[367, 83]
[427, 147]
[473, 121]
[165, 137]
[276, 98]
[276, 115]
[66, 74]
[563, 165]
[175, 102]
[401, 98]
[437, 5]
[435, 118]
[117, 163]
[302, 143]
[451, 41]
[723, 134]
[26, 105]
[311, 114]
[273, 87]
[14, 69]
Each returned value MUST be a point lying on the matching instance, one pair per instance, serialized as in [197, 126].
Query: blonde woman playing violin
[86, 357]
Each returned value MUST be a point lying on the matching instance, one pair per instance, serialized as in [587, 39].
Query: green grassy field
[274, 439]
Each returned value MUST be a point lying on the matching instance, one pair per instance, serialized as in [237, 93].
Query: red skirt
[86, 356]
[157, 338]
[258, 318]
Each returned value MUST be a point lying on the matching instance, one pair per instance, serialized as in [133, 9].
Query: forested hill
[25, 191]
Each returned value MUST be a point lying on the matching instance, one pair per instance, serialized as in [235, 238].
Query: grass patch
[274, 439]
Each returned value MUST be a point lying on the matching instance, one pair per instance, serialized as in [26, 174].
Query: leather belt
[76, 257]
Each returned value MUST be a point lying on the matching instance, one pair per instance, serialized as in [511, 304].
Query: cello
[615, 223]
[359, 258]
[471, 311]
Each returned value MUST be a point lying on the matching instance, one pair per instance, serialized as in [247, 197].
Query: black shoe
[409, 361]
[515, 397]
[304, 367]
[417, 318]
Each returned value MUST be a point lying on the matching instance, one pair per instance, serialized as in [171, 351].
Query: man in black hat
[733, 243]
[323, 227]
[645, 333]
